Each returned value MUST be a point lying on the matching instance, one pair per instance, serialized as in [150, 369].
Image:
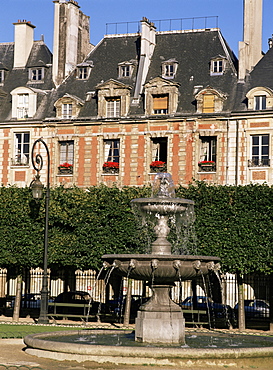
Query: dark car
[217, 314]
[29, 300]
[255, 309]
[83, 301]
[117, 306]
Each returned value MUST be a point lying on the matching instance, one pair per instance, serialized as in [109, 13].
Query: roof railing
[166, 25]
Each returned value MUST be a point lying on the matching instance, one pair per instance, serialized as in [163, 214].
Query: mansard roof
[192, 51]
[40, 56]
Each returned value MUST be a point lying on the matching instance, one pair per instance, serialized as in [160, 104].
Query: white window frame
[2, 76]
[111, 150]
[217, 67]
[113, 107]
[66, 152]
[67, 110]
[125, 70]
[259, 102]
[36, 74]
[22, 106]
[21, 148]
[83, 72]
[260, 156]
[169, 69]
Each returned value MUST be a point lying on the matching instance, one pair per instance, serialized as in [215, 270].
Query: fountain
[160, 320]
[159, 337]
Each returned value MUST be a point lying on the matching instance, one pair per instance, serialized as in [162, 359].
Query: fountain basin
[44, 345]
[161, 269]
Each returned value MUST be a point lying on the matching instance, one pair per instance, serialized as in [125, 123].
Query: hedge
[234, 223]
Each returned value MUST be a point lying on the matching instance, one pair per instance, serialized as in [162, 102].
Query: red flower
[206, 162]
[110, 165]
[66, 165]
[157, 164]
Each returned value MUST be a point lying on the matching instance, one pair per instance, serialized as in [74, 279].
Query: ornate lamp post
[37, 193]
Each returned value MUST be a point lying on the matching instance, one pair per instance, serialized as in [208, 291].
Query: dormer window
[160, 104]
[36, 74]
[84, 70]
[260, 98]
[113, 99]
[68, 106]
[217, 66]
[125, 69]
[169, 68]
[210, 100]
[24, 102]
[260, 102]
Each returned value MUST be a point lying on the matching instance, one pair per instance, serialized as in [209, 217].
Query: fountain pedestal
[160, 320]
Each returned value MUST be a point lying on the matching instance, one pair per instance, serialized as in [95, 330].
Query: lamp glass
[37, 189]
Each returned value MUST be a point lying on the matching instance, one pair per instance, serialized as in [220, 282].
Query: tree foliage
[234, 223]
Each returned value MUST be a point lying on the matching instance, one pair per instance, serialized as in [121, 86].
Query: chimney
[250, 49]
[23, 41]
[71, 43]
[147, 45]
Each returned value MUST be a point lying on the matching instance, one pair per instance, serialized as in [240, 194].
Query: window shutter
[160, 102]
[208, 103]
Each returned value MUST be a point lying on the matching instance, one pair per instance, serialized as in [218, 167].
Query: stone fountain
[160, 320]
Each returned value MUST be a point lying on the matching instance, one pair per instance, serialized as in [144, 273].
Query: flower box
[207, 166]
[65, 168]
[110, 167]
[158, 166]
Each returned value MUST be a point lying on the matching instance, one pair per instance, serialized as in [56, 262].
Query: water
[198, 340]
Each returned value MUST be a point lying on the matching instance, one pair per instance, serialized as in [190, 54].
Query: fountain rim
[162, 200]
[36, 342]
[162, 257]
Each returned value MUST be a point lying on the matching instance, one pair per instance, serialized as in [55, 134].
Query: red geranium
[157, 164]
[66, 165]
[110, 165]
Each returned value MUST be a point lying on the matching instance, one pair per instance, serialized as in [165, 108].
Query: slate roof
[192, 50]
[39, 56]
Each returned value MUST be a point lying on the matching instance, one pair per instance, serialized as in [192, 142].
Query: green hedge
[234, 223]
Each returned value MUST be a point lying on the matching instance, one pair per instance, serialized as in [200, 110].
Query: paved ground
[12, 353]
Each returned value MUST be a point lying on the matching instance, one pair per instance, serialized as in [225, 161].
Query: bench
[85, 307]
[196, 319]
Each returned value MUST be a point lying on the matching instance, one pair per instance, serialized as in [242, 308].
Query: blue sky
[40, 13]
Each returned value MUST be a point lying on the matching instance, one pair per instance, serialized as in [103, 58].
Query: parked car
[29, 300]
[76, 297]
[254, 309]
[117, 306]
[217, 314]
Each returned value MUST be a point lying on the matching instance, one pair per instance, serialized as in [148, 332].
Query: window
[83, 73]
[21, 149]
[169, 68]
[259, 150]
[111, 150]
[23, 106]
[259, 102]
[2, 76]
[68, 106]
[208, 103]
[67, 110]
[217, 66]
[260, 98]
[160, 104]
[125, 69]
[111, 156]
[159, 149]
[36, 74]
[113, 107]
[66, 150]
[207, 160]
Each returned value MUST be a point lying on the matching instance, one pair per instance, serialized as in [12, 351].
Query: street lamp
[37, 193]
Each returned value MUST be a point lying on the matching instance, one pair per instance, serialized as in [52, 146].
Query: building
[108, 112]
